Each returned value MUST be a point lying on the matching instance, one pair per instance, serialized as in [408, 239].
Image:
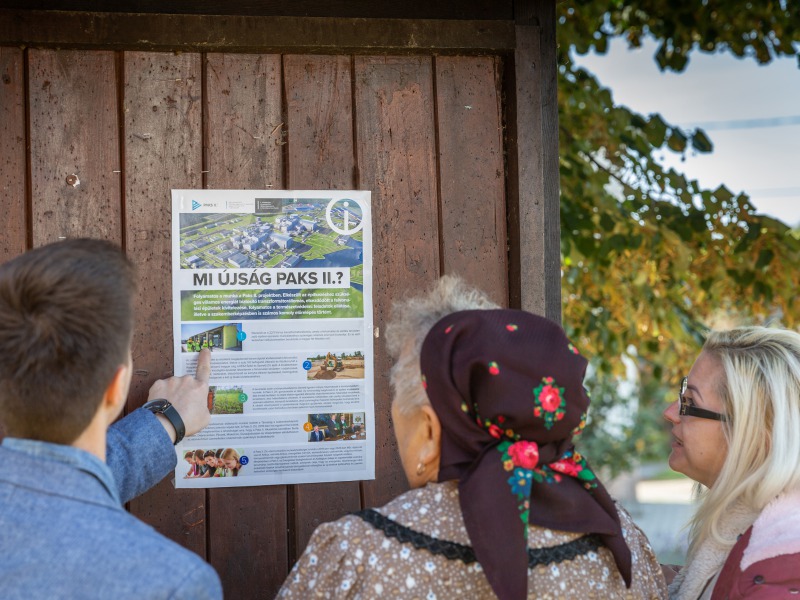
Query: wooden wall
[92, 141]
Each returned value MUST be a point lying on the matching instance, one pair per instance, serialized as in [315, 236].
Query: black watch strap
[162, 406]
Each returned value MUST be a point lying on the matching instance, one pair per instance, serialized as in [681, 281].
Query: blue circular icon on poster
[244, 460]
[307, 365]
[241, 336]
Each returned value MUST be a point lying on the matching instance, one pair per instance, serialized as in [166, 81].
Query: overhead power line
[746, 123]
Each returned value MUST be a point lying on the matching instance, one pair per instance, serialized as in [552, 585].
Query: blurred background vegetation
[650, 259]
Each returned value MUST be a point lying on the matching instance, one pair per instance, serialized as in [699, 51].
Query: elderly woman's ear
[419, 440]
[432, 443]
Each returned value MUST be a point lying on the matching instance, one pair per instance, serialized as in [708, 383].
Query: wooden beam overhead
[226, 33]
[372, 9]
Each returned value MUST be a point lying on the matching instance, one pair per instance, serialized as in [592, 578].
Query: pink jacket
[765, 562]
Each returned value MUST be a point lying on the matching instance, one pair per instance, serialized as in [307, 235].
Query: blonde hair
[230, 453]
[411, 321]
[761, 394]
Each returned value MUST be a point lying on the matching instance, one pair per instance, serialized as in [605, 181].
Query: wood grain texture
[244, 122]
[319, 114]
[525, 175]
[319, 123]
[248, 525]
[533, 171]
[435, 208]
[545, 16]
[13, 171]
[473, 9]
[471, 172]
[213, 33]
[74, 145]
[397, 162]
[163, 150]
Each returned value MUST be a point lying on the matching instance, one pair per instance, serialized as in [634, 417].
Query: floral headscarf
[507, 387]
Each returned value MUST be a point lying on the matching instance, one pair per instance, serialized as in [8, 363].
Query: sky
[750, 112]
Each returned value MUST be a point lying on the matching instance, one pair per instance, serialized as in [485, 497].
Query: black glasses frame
[690, 410]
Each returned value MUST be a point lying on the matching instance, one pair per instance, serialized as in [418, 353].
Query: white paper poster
[278, 284]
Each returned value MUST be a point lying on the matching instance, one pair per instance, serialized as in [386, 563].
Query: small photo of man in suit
[317, 435]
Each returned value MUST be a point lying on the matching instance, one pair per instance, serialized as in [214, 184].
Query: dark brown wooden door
[92, 141]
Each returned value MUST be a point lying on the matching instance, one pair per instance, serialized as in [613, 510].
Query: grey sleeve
[139, 453]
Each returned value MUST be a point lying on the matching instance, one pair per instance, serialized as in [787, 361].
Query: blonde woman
[230, 461]
[736, 430]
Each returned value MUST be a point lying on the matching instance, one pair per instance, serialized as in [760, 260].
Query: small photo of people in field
[221, 462]
[331, 365]
[226, 401]
[334, 427]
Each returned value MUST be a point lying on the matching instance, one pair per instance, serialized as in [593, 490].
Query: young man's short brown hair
[66, 320]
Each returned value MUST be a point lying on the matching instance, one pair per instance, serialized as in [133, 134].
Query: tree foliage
[650, 258]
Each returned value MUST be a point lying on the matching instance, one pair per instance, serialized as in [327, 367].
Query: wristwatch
[162, 406]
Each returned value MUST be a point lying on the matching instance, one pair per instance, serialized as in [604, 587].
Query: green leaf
[697, 220]
[677, 141]
[656, 131]
[764, 258]
[638, 121]
[606, 222]
[700, 141]
[747, 240]
[723, 194]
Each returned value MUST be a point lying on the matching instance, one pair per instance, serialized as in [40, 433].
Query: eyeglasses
[691, 410]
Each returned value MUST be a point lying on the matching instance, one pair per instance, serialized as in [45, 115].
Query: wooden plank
[243, 122]
[319, 123]
[525, 181]
[397, 161]
[544, 14]
[471, 172]
[12, 156]
[532, 118]
[163, 149]
[13, 171]
[420, 9]
[322, 35]
[248, 540]
[74, 140]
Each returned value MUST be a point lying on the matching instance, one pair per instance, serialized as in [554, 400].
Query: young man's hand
[189, 396]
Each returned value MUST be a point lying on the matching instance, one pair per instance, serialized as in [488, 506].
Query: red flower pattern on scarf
[524, 454]
[550, 398]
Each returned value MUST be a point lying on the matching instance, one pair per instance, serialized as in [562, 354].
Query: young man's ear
[117, 391]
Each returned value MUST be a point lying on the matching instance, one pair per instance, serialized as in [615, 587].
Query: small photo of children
[223, 462]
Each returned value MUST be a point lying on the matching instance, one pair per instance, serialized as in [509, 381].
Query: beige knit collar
[709, 558]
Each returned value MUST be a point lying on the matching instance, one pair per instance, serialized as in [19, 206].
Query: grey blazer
[64, 532]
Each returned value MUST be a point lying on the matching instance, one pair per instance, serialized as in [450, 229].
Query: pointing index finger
[203, 365]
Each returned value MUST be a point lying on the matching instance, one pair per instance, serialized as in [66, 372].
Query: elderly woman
[486, 404]
[736, 430]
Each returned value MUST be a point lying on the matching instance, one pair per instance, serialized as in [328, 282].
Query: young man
[66, 320]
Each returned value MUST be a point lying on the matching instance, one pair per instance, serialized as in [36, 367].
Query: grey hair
[410, 323]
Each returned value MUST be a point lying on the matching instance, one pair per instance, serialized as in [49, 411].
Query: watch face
[157, 405]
